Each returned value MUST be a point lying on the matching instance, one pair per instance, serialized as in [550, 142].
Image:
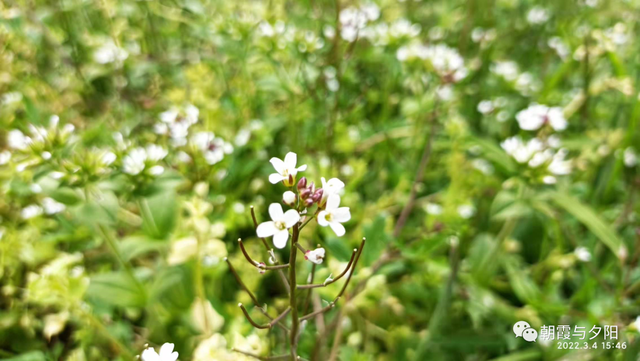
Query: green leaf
[117, 289]
[159, 214]
[29, 356]
[134, 246]
[526, 290]
[590, 219]
[376, 240]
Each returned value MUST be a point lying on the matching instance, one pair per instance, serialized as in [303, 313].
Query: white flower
[582, 254]
[31, 211]
[630, 157]
[286, 170]
[332, 186]
[108, 158]
[485, 107]
[520, 151]
[279, 225]
[155, 152]
[560, 166]
[138, 158]
[333, 215]
[433, 209]
[536, 115]
[211, 147]
[316, 256]
[166, 354]
[5, 157]
[637, 323]
[109, 53]
[537, 15]
[17, 140]
[466, 211]
[134, 162]
[289, 198]
[51, 206]
[506, 69]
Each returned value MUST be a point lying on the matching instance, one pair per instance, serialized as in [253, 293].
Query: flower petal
[338, 228]
[290, 160]
[166, 350]
[341, 214]
[275, 212]
[333, 202]
[275, 178]
[280, 239]
[322, 219]
[266, 229]
[302, 168]
[291, 217]
[278, 164]
[150, 355]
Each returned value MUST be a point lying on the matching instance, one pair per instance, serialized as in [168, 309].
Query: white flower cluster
[353, 21]
[383, 34]
[140, 159]
[109, 52]
[176, 121]
[537, 154]
[524, 82]
[300, 197]
[446, 61]
[537, 115]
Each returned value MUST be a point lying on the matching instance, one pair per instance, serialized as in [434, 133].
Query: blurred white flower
[108, 158]
[279, 225]
[11, 97]
[285, 169]
[109, 52]
[5, 157]
[506, 69]
[51, 206]
[133, 163]
[139, 159]
[537, 115]
[176, 122]
[482, 165]
[316, 256]
[17, 140]
[485, 107]
[333, 215]
[560, 166]
[520, 151]
[537, 15]
[31, 211]
[433, 209]
[582, 254]
[630, 157]
[212, 147]
[166, 353]
[560, 47]
[466, 211]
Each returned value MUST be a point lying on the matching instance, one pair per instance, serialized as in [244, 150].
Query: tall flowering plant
[305, 204]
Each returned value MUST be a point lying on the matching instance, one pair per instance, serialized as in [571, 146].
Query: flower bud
[302, 183]
[317, 196]
[308, 202]
[289, 198]
[316, 256]
[305, 193]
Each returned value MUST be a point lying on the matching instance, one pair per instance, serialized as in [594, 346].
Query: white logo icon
[524, 330]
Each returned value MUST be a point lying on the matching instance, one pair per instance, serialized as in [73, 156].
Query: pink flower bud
[317, 196]
[302, 183]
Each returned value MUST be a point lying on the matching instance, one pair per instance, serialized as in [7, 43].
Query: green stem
[293, 302]
[126, 266]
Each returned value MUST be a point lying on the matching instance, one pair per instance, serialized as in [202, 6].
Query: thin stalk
[114, 249]
[293, 302]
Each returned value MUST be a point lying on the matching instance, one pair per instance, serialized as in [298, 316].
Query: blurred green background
[135, 136]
